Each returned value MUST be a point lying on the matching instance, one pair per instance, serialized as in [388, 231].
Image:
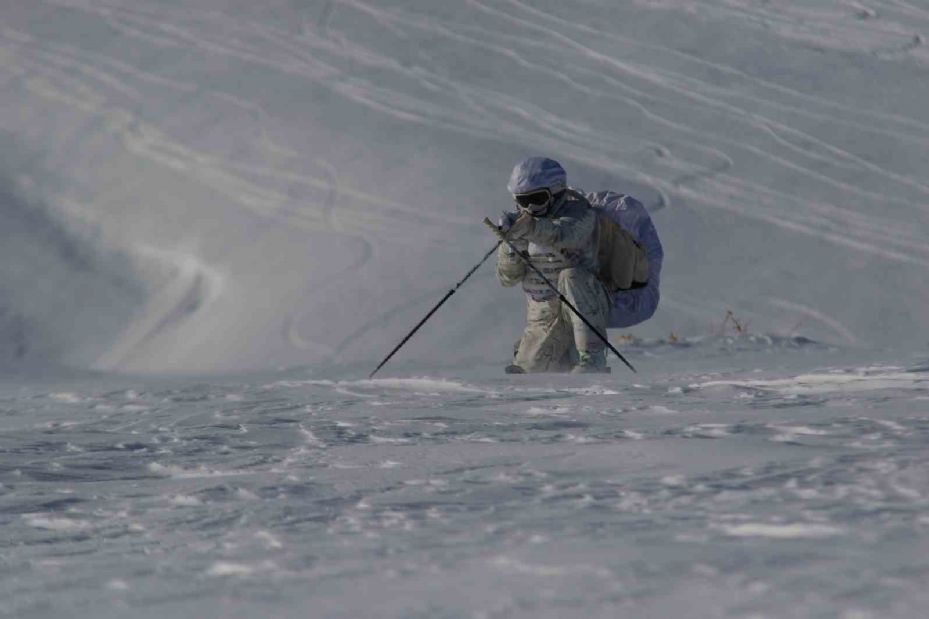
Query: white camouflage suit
[563, 245]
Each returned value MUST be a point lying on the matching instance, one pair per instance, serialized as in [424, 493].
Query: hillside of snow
[218, 185]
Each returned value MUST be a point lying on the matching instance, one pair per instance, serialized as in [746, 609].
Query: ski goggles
[534, 201]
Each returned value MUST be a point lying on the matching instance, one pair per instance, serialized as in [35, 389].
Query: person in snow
[559, 232]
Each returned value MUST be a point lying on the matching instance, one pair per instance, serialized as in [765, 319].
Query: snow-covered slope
[296, 182]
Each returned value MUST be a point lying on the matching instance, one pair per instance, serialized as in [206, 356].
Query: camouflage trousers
[555, 339]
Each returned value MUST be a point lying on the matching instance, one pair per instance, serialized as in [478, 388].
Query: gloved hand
[505, 230]
[506, 221]
[522, 227]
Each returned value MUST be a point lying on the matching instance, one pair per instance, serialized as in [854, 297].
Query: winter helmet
[537, 173]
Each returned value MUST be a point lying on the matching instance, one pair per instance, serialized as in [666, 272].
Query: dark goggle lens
[535, 199]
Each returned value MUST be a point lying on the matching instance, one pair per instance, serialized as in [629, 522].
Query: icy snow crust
[224, 188]
[799, 489]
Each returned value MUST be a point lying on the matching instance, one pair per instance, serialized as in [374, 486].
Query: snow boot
[591, 363]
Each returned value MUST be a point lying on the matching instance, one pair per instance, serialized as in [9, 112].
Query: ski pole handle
[496, 229]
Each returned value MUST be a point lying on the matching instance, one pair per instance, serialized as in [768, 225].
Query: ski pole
[528, 262]
[434, 309]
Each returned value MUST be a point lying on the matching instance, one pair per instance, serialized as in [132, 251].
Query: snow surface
[693, 491]
[218, 215]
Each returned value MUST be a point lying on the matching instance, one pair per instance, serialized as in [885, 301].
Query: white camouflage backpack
[621, 259]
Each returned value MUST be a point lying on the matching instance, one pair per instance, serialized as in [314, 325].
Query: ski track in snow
[167, 496]
[871, 234]
[229, 176]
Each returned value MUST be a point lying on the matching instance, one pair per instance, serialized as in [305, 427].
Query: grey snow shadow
[63, 297]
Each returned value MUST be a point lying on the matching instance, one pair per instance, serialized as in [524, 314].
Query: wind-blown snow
[272, 194]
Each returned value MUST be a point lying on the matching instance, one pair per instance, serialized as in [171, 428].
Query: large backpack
[622, 261]
[630, 257]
